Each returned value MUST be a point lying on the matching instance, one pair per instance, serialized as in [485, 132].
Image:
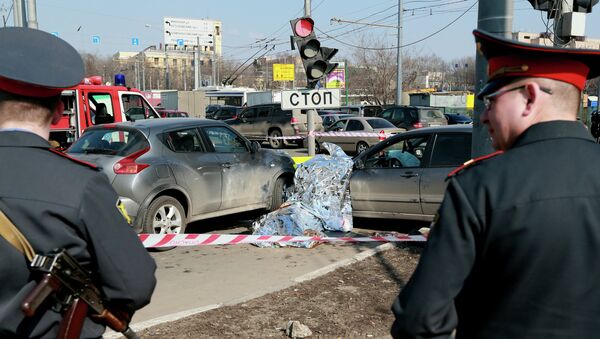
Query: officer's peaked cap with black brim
[509, 60]
[37, 64]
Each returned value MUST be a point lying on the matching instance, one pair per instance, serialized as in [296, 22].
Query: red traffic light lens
[304, 27]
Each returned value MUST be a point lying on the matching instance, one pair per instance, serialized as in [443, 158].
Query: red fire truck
[92, 103]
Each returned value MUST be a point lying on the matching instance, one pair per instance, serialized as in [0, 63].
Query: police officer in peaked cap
[53, 200]
[514, 250]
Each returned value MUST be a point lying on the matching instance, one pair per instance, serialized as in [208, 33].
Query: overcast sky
[247, 21]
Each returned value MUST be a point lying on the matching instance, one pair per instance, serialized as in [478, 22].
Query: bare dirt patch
[351, 302]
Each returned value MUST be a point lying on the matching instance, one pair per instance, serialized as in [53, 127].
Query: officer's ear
[532, 95]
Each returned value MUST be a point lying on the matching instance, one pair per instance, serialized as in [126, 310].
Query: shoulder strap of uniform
[472, 162]
[81, 162]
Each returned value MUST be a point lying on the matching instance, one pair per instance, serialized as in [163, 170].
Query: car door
[262, 122]
[246, 121]
[195, 169]
[387, 183]
[449, 151]
[349, 142]
[244, 174]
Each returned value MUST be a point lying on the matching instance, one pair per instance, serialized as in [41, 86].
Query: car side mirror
[254, 146]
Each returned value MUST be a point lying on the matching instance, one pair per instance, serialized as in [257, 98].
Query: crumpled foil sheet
[320, 200]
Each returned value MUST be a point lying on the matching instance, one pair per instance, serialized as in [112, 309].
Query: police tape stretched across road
[381, 135]
[169, 240]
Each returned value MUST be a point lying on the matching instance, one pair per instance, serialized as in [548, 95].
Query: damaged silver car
[169, 172]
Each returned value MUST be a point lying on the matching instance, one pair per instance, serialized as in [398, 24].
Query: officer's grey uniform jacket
[56, 202]
[516, 250]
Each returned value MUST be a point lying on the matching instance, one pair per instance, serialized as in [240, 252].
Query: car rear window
[431, 114]
[380, 123]
[110, 141]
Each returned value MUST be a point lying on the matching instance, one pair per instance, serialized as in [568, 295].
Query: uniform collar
[11, 138]
[553, 130]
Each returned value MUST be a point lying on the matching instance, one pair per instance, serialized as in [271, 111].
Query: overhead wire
[406, 45]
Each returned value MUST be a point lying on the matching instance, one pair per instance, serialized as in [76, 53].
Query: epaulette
[81, 162]
[472, 162]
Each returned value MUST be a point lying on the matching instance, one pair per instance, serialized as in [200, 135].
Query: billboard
[283, 72]
[182, 31]
[337, 77]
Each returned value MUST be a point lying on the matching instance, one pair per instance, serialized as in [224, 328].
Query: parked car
[356, 143]
[171, 113]
[329, 119]
[362, 110]
[411, 117]
[210, 109]
[268, 122]
[457, 118]
[168, 172]
[403, 177]
[226, 112]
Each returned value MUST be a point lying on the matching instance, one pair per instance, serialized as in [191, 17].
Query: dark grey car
[403, 177]
[411, 117]
[169, 172]
[268, 122]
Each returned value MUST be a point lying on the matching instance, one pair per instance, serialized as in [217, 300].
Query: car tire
[165, 215]
[361, 147]
[275, 143]
[279, 193]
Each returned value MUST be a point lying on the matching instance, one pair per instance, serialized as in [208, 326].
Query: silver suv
[270, 123]
[169, 172]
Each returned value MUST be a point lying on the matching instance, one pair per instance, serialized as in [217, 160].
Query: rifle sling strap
[11, 233]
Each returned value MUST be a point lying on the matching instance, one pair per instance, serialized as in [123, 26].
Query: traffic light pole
[399, 57]
[494, 16]
[310, 113]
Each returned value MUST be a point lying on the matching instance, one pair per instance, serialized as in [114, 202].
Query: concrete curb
[308, 276]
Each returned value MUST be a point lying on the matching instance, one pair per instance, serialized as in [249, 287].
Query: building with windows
[171, 64]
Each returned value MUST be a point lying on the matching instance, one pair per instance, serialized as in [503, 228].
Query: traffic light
[316, 59]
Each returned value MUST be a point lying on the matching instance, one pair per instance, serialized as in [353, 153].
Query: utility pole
[399, 57]
[197, 74]
[31, 14]
[167, 82]
[494, 16]
[214, 56]
[18, 13]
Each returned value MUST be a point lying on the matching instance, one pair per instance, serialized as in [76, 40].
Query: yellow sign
[283, 72]
[470, 100]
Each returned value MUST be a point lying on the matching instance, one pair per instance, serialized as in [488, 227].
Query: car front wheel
[280, 193]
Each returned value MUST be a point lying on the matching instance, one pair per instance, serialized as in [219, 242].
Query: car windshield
[109, 141]
[380, 123]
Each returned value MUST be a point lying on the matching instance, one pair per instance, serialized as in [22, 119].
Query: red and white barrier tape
[338, 134]
[168, 240]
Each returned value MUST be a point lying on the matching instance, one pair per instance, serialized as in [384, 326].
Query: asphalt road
[192, 279]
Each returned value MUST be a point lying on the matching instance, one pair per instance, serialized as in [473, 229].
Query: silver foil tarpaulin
[320, 200]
